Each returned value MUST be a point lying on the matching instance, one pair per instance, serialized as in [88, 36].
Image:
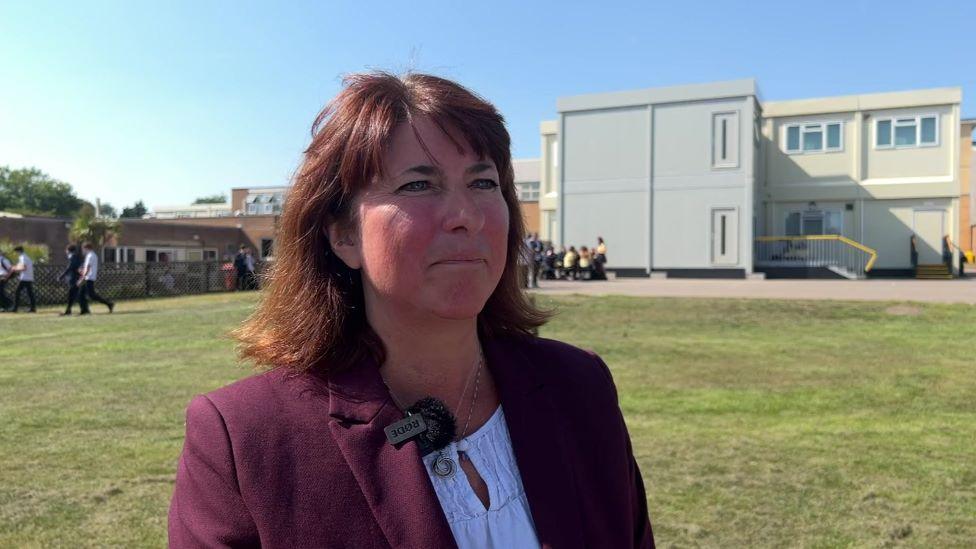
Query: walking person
[71, 275]
[6, 268]
[89, 274]
[252, 281]
[24, 266]
[240, 265]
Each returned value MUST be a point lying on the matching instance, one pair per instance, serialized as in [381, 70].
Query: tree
[136, 211]
[212, 199]
[29, 191]
[107, 210]
[98, 231]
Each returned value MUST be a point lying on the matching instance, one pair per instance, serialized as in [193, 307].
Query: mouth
[460, 261]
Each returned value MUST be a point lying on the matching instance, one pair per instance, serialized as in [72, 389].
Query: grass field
[756, 423]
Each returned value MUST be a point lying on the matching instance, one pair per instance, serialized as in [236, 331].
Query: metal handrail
[816, 251]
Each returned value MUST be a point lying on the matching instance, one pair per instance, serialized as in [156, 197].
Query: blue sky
[132, 100]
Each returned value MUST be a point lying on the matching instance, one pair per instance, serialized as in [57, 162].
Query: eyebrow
[426, 169]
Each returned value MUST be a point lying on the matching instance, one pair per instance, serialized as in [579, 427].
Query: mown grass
[756, 423]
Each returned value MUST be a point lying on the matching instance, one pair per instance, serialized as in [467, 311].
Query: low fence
[140, 280]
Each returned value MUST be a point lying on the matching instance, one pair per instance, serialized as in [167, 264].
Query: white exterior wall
[687, 186]
[884, 186]
[637, 169]
[605, 185]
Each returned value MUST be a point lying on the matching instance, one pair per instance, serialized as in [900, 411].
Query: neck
[425, 356]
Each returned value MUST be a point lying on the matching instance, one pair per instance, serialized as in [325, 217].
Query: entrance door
[929, 227]
[725, 236]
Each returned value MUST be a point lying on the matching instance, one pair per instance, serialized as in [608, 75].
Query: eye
[486, 184]
[415, 186]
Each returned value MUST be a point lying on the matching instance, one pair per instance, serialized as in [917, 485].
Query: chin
[460, 303]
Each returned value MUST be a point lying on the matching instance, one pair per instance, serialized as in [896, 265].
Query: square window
[883, 137]
[812, 138]
[833, 136]
[905, 134]
[793, 138]
[928, 130]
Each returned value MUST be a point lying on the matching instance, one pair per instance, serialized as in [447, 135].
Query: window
[793, 224]
[814, 137]
[833, 223]
[210, 255]
[267, 247]
[725, 140]
[150, 256]
[528, 191]
[833, 136]
[130, 255]
[906, 132]
[793, 138]
[814, 222]
[108, 255]
[883, 133]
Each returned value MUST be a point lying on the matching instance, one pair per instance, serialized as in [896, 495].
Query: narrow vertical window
[833, 137]
[725, 124]
[793, 139]
[725, 140]
[723, 235]
[928, 133]
[883, 133]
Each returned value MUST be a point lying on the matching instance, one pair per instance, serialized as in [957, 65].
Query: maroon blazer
[285, 460]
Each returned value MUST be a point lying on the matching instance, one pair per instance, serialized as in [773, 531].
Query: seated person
[585, 263]
[570, 268]
[549, 264]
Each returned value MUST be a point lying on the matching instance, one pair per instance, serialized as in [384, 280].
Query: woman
[396, 279]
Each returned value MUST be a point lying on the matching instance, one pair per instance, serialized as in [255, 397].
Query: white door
[929, 227]
[725, 236]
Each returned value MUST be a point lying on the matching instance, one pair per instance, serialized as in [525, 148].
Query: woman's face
[432, 233]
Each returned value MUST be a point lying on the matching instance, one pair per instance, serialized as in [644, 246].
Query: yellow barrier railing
[871, 252]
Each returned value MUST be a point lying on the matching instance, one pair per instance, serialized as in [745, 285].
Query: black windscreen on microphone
[441, 426]
[428, 421]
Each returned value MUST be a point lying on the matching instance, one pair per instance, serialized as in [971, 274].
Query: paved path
[936, 291]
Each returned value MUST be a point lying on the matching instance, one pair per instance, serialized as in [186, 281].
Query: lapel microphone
[429, 421]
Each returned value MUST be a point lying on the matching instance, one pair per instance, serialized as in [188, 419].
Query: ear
[345, 244]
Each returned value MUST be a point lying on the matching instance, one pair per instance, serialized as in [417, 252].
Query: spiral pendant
[443, 466]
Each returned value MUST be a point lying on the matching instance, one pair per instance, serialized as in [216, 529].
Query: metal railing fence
[141, 280]
[814, 251]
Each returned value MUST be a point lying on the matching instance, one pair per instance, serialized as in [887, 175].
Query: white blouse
[507, 523]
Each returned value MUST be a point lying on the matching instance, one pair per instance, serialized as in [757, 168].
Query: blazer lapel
[394, 481]
[537, 440]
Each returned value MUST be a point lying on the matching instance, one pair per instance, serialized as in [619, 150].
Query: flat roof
[862, 102]
[649, 96]
[527, 169]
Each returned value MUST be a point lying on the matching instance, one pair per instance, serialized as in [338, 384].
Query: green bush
[39, 253]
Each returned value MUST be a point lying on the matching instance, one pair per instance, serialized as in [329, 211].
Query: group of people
[80, 276]
[548, 263]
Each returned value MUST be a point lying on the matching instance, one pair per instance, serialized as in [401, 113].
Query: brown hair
[312, 313]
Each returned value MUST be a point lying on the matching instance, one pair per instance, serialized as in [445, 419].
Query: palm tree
[98, 231]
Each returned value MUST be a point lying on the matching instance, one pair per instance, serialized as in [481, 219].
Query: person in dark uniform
[71, 275]
[240, 265]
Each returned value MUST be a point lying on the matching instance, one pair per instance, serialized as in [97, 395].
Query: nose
[461, 211]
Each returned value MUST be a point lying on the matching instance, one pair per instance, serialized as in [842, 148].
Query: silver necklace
[443, 465]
